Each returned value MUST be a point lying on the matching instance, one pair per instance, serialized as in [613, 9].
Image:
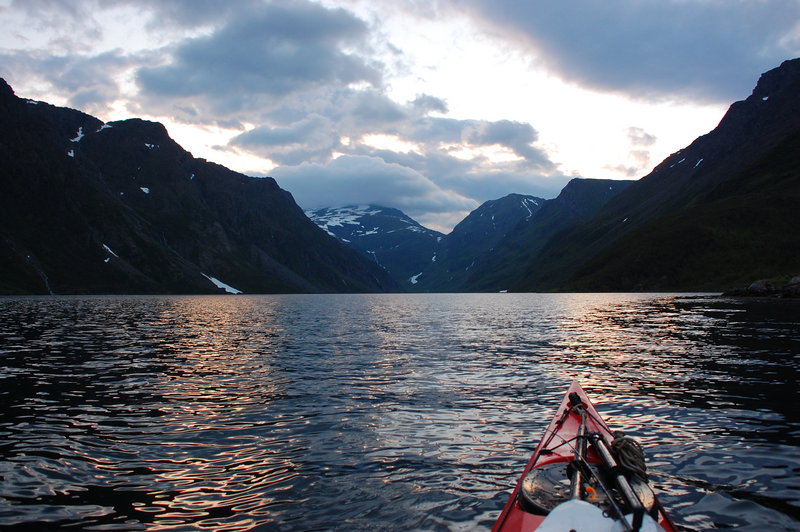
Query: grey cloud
[640, 137]
[503, 132]
[59, 15]
[642, 157]
[351, 113]
[441, 167]
[297, 133]
[312, 122]
[627, 170]
[438, 130]
[262, 55]
[310, 139]
[370, 107]
[88, 98]
[487, 184]
[360, 179]
[638, 155]
[365, 109]
[427, 104]
[708, 50]
[639, 140]
[190, 13]
[315, 139]
[87, 82]
[473, 179]
[171, 14]
[517, 136]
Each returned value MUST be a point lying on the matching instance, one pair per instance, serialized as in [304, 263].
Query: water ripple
[381, 412]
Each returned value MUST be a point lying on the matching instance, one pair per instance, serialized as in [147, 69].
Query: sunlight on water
[382, 411]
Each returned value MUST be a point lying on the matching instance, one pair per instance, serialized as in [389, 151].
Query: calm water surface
[382, 412]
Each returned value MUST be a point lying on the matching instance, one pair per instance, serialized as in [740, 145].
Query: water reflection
[363, 412]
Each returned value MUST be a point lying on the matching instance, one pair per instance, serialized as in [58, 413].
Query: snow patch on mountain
[340, 217]
[388, 236]
[528, 204]
[219, 284]
[355, 221]
[109, 250]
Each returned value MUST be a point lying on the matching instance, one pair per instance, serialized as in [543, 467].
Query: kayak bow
[582, 478]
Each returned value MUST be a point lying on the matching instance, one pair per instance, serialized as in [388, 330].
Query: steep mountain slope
[388, 236]
[704, 217]
[580, 200]
[473, 240]
[122, 208]
[746, 228]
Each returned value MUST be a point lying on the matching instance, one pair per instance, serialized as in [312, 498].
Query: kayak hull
[557, 446]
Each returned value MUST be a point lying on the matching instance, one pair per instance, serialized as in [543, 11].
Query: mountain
[89, 207]
[473, 241]
[580, 200]
[388, 236]
[421, 259]
[715, 215]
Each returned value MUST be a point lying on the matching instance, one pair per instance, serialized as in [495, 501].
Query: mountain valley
[119, 207]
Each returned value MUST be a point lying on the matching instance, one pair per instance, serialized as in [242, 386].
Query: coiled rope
[629, 455]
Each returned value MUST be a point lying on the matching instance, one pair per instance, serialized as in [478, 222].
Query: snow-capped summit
[388, 236]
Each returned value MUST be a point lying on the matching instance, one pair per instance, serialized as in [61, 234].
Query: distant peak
[153, 135]
[5, 89]
[580, 182]
[782, 78]
[142, 125]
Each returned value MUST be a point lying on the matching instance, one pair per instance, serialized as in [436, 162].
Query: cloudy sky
[429, 106]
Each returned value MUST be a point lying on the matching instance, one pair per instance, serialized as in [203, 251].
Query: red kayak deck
[558, 445]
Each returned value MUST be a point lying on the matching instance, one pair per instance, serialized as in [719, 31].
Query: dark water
[408, 412]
